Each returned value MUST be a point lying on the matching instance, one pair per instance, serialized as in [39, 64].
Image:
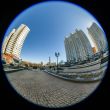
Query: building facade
[21, 36]
[98, 37]
[7, 43]
[13, 43]
[77, 47]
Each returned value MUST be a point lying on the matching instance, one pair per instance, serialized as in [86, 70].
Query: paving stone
[46, 90]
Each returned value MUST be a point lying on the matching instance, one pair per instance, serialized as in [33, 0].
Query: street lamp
[57, 54]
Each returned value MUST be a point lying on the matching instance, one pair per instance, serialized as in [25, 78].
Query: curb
[10, 71]
[76, 80]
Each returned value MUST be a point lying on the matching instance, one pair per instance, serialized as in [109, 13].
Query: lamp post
[57, 54]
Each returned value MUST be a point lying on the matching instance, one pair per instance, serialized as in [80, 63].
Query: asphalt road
[46, 90]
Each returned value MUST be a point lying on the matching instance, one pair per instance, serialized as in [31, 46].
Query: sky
[50, 22]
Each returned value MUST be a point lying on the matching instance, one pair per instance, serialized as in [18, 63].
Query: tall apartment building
[98, 37]
[77, 47]
[21, 36]
[6, 42]
[13, 43]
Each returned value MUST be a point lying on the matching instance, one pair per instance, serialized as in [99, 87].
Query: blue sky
[49, 23]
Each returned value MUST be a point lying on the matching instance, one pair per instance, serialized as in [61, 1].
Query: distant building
[49, 60]
[94, 50]
[13, 43]
[50, 64]
[98, 37]
[77, 47]
[8, 58]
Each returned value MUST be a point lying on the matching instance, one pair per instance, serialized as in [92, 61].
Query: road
[46, 90]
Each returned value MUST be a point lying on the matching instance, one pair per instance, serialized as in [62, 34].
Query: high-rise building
[21, 36]
[98, 37]
[6, 42]
[13, 43]
[77, 47]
